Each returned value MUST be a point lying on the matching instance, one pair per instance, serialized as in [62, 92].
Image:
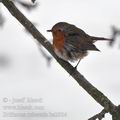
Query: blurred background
[33, 83]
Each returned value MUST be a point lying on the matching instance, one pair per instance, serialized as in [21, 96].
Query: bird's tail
[100, 38]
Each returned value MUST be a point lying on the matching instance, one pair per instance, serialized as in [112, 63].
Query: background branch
[47, 57]
[94, 92]
[115, 34]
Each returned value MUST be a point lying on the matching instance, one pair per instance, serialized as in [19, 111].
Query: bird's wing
[79, 43]
[73, 30]
[78, 40]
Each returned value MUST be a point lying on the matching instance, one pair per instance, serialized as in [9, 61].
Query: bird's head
[58, 29]
[58, 32]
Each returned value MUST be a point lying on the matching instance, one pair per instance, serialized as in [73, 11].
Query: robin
[70, 43]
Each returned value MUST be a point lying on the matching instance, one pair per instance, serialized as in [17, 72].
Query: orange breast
[58, 40]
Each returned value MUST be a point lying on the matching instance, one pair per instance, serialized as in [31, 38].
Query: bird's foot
[73, 70]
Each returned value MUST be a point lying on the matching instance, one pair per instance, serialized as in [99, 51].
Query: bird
[71, 43]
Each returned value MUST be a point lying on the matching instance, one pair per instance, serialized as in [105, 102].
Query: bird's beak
[49, 30]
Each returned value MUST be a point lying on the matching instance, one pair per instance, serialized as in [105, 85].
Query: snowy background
[26, 74]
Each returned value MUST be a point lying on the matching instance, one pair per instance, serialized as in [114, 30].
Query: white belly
[74, 56]
[62, 54]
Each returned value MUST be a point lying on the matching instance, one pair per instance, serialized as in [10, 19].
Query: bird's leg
[73, 70]
[77, 63]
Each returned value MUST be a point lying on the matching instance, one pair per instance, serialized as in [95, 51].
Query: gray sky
[27, 74]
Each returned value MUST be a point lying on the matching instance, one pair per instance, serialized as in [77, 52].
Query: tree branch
[99, 116]
[94, 92]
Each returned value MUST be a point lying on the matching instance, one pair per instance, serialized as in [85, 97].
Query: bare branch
[94, 92]
[99, 116]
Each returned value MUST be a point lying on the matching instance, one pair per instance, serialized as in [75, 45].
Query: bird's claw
[73, 70]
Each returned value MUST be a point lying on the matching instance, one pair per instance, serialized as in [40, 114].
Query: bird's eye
[59, 30]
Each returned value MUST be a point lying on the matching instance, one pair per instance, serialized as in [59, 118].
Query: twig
[99, 116]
